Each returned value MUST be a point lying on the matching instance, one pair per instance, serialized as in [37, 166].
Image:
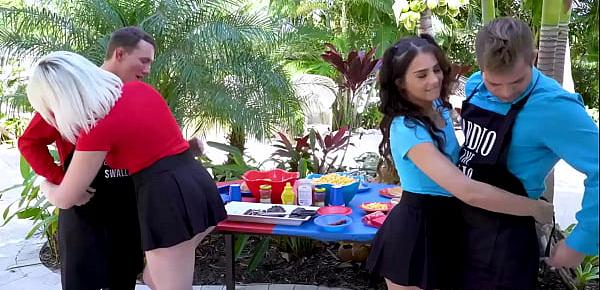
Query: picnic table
[355, 232]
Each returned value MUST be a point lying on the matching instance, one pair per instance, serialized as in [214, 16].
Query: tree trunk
[344, 19]
[488, 11]
[546, 59]
[425, 26]
[548, 36]
[237, 138]
[561, 43]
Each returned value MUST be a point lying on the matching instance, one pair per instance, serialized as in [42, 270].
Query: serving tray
[236, 210]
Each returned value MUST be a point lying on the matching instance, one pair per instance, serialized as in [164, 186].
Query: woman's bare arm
[80, 174]
[447, 175]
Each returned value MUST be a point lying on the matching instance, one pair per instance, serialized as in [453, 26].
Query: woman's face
[423, 80]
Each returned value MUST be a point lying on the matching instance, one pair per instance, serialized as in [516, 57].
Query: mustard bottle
[288, 196]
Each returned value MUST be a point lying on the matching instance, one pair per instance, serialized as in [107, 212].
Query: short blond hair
[71, 93]
[502, 42]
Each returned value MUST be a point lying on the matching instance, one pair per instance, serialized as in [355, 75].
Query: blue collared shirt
[553, 125]
[403, 137]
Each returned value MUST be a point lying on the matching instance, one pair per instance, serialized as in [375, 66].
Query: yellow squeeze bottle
[288, 196]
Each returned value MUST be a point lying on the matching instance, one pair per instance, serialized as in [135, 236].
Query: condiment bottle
[319, 199]
[305, 192]
[288, 196]
[265, 193]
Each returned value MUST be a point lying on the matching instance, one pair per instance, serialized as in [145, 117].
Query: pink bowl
[277, 178]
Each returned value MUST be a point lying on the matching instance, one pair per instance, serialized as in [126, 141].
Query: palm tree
[213, 60]
[488, 11]
[548, 36]
[561, 43]
[425, 26]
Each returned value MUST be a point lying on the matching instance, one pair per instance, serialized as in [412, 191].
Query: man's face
[135, 64]
[508, 85]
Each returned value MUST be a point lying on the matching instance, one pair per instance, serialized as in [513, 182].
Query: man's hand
[196, 146]
[563, 256]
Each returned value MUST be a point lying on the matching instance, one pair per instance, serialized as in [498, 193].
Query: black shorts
[177, 199]
[420, 243]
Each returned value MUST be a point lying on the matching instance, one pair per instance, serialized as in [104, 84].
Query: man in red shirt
[99, 242]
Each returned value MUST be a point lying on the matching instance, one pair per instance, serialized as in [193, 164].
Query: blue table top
[357, 231]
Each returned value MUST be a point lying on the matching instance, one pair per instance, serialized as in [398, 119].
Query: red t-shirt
[33, 145]
[138, 131]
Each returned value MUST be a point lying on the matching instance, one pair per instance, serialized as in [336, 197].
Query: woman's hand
[48, 188]
[544, 212]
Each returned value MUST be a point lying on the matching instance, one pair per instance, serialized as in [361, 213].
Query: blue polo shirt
[552, 125]
[405, 134]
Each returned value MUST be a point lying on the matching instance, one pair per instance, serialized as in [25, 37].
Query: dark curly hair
[394, 101]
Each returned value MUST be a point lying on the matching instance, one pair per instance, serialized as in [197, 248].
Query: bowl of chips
[349, 185]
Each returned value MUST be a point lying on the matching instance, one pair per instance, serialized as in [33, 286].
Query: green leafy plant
[331, 143]
[214, 61]
[32, 205]
[229, 171]
[371, 117]
[312, 153]
[586, 272]
[293, 157]
[295, 247]
[10, 128]
[258, 253]
[354, 71]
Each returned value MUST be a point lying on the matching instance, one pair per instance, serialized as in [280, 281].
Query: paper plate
[334, 210]
[376, 206]
[391, 192]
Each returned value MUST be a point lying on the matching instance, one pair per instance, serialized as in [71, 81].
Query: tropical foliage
[213, 63]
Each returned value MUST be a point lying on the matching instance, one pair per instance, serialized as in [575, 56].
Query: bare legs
[172, 268]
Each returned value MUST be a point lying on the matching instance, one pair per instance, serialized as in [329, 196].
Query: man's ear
[118, 54]
[534, 57]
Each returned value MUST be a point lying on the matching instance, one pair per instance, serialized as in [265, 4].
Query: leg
[229, 262]
[173, 267]
[392, 286]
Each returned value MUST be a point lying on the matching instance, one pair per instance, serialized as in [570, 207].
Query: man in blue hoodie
[518, 124]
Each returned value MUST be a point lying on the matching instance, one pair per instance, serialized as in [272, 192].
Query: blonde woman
[131, 127]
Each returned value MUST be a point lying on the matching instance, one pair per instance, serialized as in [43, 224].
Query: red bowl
[276, 178]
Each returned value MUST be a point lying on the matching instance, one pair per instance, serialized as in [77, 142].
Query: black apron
[99, 242]
[501, 250]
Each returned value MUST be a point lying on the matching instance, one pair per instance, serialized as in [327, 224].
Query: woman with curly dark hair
[419, 245]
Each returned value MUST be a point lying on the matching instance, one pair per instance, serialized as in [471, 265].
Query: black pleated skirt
[177, 199]
[420, 243]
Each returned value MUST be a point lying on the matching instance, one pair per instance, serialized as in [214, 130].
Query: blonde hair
[71, 93]
[502, 42]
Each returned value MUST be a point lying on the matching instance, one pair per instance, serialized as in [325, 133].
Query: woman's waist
[165, 164]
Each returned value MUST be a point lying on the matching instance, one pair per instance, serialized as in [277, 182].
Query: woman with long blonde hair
[131, 127]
